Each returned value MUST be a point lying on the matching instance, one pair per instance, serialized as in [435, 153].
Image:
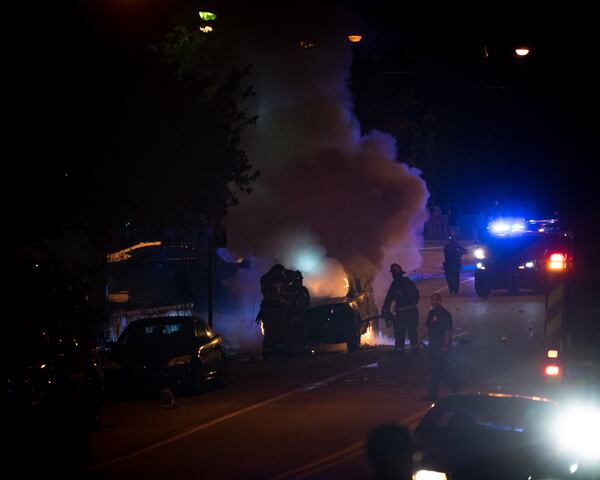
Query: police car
[515, 254]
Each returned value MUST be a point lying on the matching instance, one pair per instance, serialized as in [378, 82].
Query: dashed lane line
[204, 426]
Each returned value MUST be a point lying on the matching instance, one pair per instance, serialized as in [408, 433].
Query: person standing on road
[404, 295]
[452, 263]
[439, 330]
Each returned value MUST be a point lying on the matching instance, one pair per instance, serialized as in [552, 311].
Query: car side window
[200, 330]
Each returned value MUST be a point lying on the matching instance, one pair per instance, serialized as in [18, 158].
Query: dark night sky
[499, 119]
[517, 122]
[76, 78]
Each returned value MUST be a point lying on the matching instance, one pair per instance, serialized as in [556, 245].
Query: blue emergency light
[505, 226]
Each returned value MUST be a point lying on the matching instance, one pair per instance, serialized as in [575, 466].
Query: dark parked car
[493, 436]
[183, 353]
[52, 398]
[50, 373]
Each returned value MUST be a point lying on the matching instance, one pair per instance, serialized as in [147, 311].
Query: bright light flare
[262, 328]
[552, 370]
[354, 38]
[372, 338]
[558, 261]
[479, 253]
[507, 225]
[206, 29]
[307, 262]
[429, 475]
[576, 431]
[552, 353]
[522, 52]
[499, 227]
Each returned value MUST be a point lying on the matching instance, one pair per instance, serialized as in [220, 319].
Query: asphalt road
[309, 416]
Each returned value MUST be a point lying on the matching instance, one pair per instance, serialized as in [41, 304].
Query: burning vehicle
[289, 321]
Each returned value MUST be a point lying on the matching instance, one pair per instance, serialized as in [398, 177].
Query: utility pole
[217, 239]
[210, 279]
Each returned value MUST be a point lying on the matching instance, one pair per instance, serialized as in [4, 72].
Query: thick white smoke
[328, 199]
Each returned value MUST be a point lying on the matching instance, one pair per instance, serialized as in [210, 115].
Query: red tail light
[557, 261]
[552, 371]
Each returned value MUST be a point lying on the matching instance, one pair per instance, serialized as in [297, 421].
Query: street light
[522, 51]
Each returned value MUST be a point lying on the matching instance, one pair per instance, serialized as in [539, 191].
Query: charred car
[341, 320]
[289, 321]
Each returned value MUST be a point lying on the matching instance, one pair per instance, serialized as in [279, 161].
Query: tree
[131, 143]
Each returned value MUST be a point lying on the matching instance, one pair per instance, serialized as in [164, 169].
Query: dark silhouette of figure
[439, 330]
[404, 295]
[452, 264]
[284, 300]
[390, 453]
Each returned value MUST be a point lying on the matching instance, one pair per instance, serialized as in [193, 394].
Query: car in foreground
[498, 436]
[182, 353]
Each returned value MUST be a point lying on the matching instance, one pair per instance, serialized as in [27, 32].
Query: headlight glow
[429, 475]
[576, 431]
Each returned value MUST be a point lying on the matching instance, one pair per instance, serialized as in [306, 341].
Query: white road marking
[206, 425]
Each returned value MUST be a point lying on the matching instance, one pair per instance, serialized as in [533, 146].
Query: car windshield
[156, 334]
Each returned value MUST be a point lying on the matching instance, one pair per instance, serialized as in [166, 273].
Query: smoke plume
[330, 201]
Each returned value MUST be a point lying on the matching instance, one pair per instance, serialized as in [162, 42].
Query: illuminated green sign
[207, 16]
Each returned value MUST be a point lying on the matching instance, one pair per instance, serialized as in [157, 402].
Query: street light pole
[210, 280]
